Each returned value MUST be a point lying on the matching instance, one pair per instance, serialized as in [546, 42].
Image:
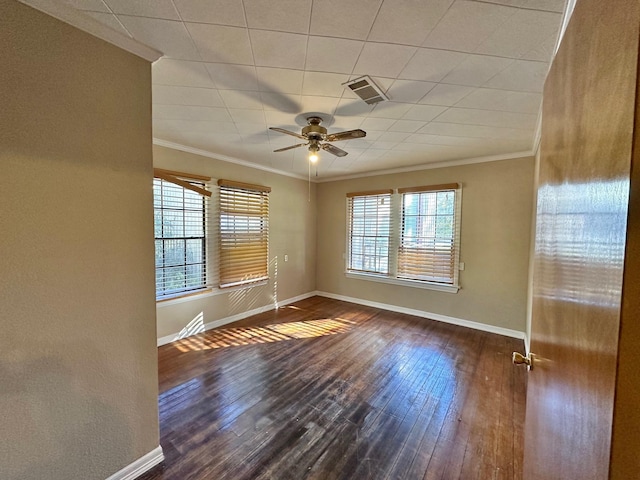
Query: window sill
[403, 282]
[184, 297]
[204, 293]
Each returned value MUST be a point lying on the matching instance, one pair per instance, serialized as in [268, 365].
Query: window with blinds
[180, 215]
[369, 231]
[427, 247]
[243, 233]
[408, 238]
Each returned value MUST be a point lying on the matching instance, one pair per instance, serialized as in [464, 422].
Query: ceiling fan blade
[348, 135]
[292, 146]
[333, 150]
[282, 130]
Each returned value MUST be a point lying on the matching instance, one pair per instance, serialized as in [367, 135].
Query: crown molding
[225, 158]
[429, 166]
[415, 168]
[78, 19]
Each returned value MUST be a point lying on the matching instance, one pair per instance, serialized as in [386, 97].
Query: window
[244, 233]
[369, 231]
[409, 238]
[180, 204]
[427, 238]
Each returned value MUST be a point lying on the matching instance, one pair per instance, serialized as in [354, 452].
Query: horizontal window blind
[428, 240]
[180, 224]
[185, 180]
[369, 217]
[243, 233]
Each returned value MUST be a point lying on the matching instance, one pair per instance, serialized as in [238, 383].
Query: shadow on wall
[249, 298]
[66, 430]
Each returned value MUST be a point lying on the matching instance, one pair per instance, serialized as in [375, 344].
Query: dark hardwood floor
[324, 389]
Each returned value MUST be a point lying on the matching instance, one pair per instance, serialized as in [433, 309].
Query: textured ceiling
[464, 78]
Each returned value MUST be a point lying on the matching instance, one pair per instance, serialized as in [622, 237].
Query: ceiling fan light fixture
[313, 153]
[367, 90]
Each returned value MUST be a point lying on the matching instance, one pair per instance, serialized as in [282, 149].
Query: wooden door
[583, 194]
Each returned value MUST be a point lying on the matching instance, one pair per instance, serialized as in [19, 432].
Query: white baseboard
[433, 316]
[384, 306]
[140, 466]
[234, 318]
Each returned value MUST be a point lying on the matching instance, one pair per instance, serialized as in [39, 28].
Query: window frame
[197, 184]
[380, 194]
[395, 240]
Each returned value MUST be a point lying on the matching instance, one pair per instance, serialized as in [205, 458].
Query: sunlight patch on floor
[235, 337]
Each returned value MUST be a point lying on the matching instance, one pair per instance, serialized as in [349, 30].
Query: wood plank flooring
[324, 389]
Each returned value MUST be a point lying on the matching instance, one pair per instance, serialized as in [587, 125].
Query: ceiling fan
[315, 134]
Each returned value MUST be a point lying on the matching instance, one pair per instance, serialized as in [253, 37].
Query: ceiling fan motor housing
[314, 129]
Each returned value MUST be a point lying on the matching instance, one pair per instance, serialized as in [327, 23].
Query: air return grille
[367, 90]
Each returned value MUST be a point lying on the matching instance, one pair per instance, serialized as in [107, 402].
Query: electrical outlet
[286, 258]
[461, 266]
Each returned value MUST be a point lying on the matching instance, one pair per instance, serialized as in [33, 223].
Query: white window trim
[403, 282]
[206, 286]
[396, 222]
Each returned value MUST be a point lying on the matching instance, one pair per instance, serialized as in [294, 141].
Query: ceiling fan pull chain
[309, 163]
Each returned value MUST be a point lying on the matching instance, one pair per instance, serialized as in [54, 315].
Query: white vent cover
[367, 90]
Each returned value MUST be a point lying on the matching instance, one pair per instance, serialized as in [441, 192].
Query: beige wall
[495, 236]
[292, 232]
[78, 363]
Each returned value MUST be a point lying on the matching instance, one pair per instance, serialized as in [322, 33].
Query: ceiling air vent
[367, 90]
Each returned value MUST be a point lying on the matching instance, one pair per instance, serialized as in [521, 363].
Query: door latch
[519, 359]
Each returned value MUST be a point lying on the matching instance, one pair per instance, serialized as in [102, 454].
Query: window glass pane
[157, 223]
[356, 246]
[410, 203]
[427, 226]
[174, 252]
[194, 274]
[358, 226]
[174, 279]
[159, 280]
[193, 224]
[445, 203]
[159, 254]
[157, 193]
[173, 223]
[192, 200]
[172, 195]
[444, 226]
[195, 251]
